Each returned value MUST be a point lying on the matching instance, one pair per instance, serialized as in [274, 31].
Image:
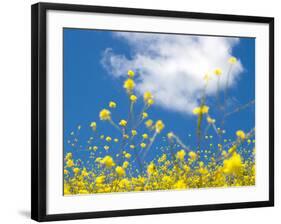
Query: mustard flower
[151, 168]
[131, 74]
[232, 60]
[116, 140]
[210, 120]
[108, 161]
[123, 123]
[105, 115]
[233, 165]
[129, 85]
[69, 163]
[134, 132]
[76, 170]
[108, 138]
[147, 96]
[120, 171]
[145, 136]
[93, 125]
[144, 115]
[218, 71]
[143, 145]
[170, 135]
[106, 147]
[100, 179]
[149, 123]
[241, 134]
[180, 155]
[201, 110]
[125, 164]
[132, 146]
[112, 104]
[133, 98]
[159, 125]
[127, 155]
[192, 155]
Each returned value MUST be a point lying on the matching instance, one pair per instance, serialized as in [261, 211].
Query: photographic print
[157, 111]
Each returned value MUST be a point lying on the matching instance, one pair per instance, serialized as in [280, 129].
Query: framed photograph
[139, 111]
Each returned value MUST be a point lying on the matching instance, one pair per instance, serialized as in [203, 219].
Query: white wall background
[15, 109]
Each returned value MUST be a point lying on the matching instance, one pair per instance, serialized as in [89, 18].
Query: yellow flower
[233, 165]
[69, 163]
[144, 115]
[201, 110]
[159, 126]
[112, 104]
[170, 135]
[106, 147]
[125, 164]
[105, 115]
[210, 120]
[151, 168]
[186, 168]
[192, 155]
[127, 155]
[232, 60]
[207, 77]
[100, 179]
[116, 140]
[218, 71]
[76, 170]
[180, 184]
[145, 136]
[68, 156]
[84, 172]
[102, 137]
[131, 74]
[241, 134]
[93, 125]
[232, 149]
[120, 171]
[108, 161]
[134, 132]
[123, 123]
[125, 136]
[180, 155]
[133, 98]
[149, 123]
[108, 139]
[132, 146]
[65, 172]
[129, 85]
[147, 96]
[150, 102]
[143, 145]
[95, 148]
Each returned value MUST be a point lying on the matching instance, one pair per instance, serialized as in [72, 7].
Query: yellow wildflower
[93, 125]
[201, 110]
[150, 102]
[180, 155]
[125, 164]
[112, 104]
[76, 170]
[108, 161]
[133, 98]
[232, 60]
[233, 165]
[69, 163]
[105, 115]
[65, 172]
[116, 140]
[159, 126]
[100, 179]
[95, 148]
[123, 123]
[218, 71]
[241, 134]
[120, 171]
[151, 168]
[68, 156]
[106, 147]
[149, 123]
[145, 136]
[143, 145]
[134, 132]
[147, 96]
[192, 155]
[144, 115]
[108, 138]
[129, 85]
[131, 74]
[132, 146]
[170, 135]
[210, 120]
[127, 155]
[125, 136]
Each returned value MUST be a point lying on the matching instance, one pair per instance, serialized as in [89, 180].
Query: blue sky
[89, 86]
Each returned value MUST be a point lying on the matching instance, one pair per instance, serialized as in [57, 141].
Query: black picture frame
[39, 116]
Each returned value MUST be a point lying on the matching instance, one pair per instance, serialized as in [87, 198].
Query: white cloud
[172, 67]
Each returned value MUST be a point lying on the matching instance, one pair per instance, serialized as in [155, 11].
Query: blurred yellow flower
[131, 74]
[201, 110]
[105, 115]
[133, 98]
[192, 155]
[180, 155]
[144, 115]
[134, 132]
[108, 138]
[76, 170]
[108, 161]
[232, 60]
[127, 155]
[241, 134]
[143, 145]
[123, 123]
[120, 171]
[233, 165]
[106, 147]
[147, 96]
[149, 123]
[125, 164]
[151, 168]
[218, 71]
[95, 148]
[112, 104]
[100, 179]
[116, 140]
[129, 85]
[150, 102]
[170, 135]
[68, 156]
[145, 136]
[69, 163]
[93, 125]
[210, 120]
[159, 125]
[132, 146]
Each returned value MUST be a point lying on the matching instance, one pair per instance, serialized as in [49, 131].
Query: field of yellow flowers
[176, 166]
